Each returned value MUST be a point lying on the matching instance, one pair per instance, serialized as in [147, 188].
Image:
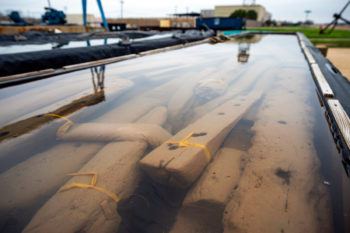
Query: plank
[326, 90]
[99, 62]
[341, 118]
[25, 75]
[309, 56]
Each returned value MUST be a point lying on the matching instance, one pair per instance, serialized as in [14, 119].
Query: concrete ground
[340, 57]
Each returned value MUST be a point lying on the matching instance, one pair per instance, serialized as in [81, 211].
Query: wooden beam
[326, 90]
[341, 118]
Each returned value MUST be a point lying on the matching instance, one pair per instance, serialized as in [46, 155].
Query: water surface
[288, 149]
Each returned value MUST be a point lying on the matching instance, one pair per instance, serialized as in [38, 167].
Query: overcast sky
[292, 10]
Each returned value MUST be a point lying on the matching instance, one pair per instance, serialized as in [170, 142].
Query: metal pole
[104, 21]
[307, 12]
[121, 8]
[83, 3]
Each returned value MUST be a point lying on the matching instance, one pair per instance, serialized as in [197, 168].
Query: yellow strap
[92, 174]
[91, 185]
[59, 116]
[186, 143]
[64, 128]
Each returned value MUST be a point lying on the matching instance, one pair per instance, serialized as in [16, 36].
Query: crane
[334, 23]
[99, 4]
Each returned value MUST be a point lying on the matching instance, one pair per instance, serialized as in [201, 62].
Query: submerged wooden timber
[116, 167]
[63, 213]
[264, 177]
[38, 168]
[213, 188]
[203, 206]
[42, 174]
[179, 165]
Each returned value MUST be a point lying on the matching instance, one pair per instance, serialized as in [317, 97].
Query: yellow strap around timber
[59, 116]
[64, 128]
[186, 143]
[91, 185]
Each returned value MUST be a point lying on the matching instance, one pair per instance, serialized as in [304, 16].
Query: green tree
[251, 14]
[238, 14]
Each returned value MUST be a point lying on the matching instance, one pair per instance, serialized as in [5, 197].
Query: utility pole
[121, 8]
[175, 11]
[307, 12]
[49, 3]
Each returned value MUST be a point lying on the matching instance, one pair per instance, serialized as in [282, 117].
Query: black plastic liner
[11, 64]
[339, 84]
[38, 37]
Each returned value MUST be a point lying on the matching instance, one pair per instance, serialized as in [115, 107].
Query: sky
[291, 10]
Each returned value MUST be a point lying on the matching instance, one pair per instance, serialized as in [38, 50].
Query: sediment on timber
[105, 164]
[203, 206]
[177, 166]
[46, 164]
[102, 164]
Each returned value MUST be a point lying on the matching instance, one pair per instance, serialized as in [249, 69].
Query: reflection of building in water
[226, 10]
[243, 52]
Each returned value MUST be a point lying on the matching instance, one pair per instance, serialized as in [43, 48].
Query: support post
[104, 21]
[83, 2]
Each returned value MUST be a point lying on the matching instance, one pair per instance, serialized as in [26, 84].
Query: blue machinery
[99, 3]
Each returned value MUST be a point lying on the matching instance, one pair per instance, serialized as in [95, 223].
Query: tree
[251, 14]
[270, 22]
[238, 14]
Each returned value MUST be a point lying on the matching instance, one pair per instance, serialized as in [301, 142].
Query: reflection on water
[21, 127]
[98, 78]
[71, 44]
[243, 52]
[267, 176]
[48, 46]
